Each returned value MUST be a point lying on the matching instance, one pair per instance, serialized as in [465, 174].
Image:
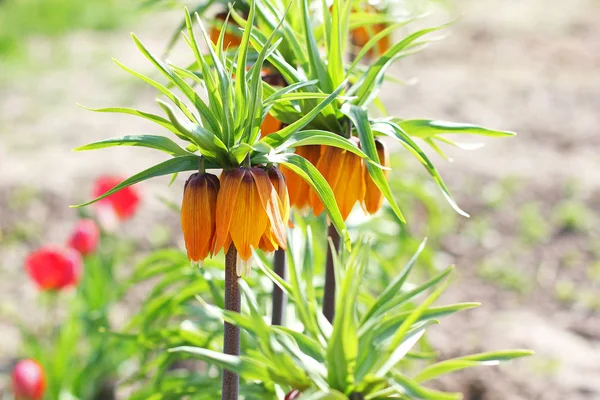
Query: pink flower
[28, 380]
[123, 203]
[53, 268]
[85, 237]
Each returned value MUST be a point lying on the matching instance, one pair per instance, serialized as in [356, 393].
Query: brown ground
[528, 66]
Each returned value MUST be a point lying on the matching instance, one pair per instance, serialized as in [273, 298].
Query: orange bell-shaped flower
[198, 215]
[248, 207]
[344, 171]
[373, 196]
[269, 125]
[268, 242]
[361, 36]
[298, 189]
[230, 39]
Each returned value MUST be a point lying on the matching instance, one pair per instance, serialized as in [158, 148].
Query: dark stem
[278, 295]
[231, 342]
[329, 289]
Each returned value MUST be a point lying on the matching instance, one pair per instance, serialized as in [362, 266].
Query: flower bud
[28, 380]
[54, 268]
[373, 197]
[85, 237]
[198, 215]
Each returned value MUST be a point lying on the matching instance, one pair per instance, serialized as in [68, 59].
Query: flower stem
[278, 295]
[231, 342]
[329, 289]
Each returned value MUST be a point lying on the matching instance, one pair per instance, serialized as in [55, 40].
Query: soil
[532, 67]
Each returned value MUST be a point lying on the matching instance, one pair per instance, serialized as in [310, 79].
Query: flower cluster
[246, 207]
[346, 173]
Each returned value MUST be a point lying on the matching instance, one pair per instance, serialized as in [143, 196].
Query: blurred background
[530, 251]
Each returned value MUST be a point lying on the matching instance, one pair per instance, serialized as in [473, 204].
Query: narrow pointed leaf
[177, 164]
[150, 141]
[360, 120]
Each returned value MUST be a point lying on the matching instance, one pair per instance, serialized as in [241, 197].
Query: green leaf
[150, 141]
[390, 322]
[208, 143]
[342, 349]
[177, 164]
[277, 94]
[407, 386]
[223, 88]
[393, 130]
[366, 88]
[161, 88]
[474, 360]
[316, 137]
[427, 128]
[255, 90]
[208, 117]
[373, 42]
[278, 280]
[200, 9]
[394, 287]
[151, 117]
[318, 69]
[277, 138]
[245, 366]
[402, 341]
[360, 119]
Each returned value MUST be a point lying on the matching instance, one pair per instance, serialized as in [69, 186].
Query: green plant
[368, 350]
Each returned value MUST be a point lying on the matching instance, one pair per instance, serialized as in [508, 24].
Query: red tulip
[293, 395]
[123, 203]
[85, 237]
[28, 380]
[53, 268]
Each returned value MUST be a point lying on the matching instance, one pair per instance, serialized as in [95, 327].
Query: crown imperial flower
[248, 208]
[344, 171]
[198, 215]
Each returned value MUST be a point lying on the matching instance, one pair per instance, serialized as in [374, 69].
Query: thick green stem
[231, 342]
[329, 288]
[279, 299]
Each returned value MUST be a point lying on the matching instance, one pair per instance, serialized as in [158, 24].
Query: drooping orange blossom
[361, 36]
[246, 207]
